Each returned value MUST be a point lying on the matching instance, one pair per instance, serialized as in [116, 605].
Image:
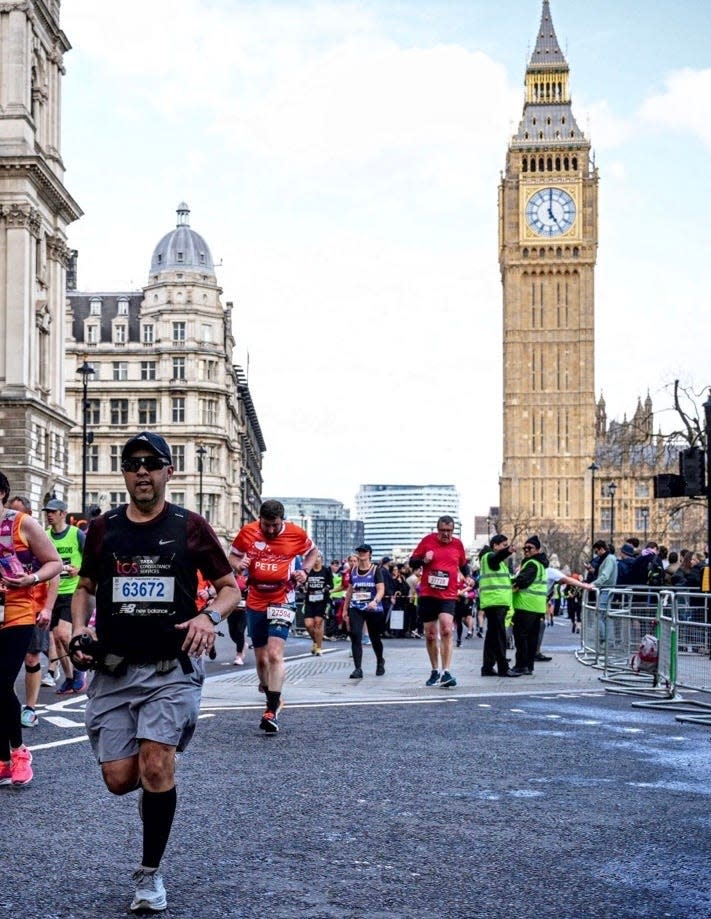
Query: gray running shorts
[142, 705]
[39, 643]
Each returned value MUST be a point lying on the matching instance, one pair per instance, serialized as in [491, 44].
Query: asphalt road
[518, 804]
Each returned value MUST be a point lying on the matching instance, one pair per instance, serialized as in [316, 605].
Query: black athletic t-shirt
[146, 577]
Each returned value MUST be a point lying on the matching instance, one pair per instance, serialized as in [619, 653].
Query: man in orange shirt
[267, 549]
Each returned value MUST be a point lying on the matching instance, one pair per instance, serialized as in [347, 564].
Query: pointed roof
[547, 54]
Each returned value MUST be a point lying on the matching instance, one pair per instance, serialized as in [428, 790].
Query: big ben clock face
[550, 212]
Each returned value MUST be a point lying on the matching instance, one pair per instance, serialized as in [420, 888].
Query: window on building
[115, 458]
[210, 505]
[147, 412]
[92, 498]
[208, 411]
[147, 334]
[178, 331]
[641, 519]
[120, 334]
[206, 332]
[123, 307]
[148, 370]
[178, 368]
[178, 453]
[120, 370]
[95, 307]
[93, 411]
[178, 497]
[178, 410]
[117, 497]
[92, 334]
[92, 458]
[119, 411]
[641, 489]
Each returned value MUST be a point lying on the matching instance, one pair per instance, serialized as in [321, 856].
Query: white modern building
[400, 515]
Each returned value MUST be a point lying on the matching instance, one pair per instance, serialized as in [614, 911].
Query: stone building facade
[162, 360]
[35, 211]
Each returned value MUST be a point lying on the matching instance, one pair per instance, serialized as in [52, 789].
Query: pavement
[313, 680]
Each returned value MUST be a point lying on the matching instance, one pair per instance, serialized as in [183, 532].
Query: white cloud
[685, 104]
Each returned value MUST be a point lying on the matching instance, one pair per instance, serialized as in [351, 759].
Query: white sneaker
[239, 661]
[48, 680]
[150, 891]
[28, 717]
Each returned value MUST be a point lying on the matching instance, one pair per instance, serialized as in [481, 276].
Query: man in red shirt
[266, 550]
[441, 556]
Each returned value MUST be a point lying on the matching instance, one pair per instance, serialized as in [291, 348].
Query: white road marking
[60, 722]
[58, 743]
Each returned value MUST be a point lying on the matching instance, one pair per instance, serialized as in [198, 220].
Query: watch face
[550, 212]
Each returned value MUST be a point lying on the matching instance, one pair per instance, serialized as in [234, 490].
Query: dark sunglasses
[149, 463]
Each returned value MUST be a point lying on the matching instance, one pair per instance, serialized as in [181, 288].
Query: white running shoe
[150, 891]
[48, 680]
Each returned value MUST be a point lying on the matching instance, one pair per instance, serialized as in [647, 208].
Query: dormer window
[95, 307]
[160, 258]
[123, 307]
[179, 256]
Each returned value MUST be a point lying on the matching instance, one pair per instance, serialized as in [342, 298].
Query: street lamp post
[611, 489]
[86, 371]
[645, 520]
[201, 451]
[593, 468]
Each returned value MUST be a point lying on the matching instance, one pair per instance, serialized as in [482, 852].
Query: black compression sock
[158, 813]
[273, 699]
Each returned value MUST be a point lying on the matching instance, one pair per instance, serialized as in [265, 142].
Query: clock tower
[547, 254]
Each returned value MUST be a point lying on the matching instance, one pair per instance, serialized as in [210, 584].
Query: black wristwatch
[214, 617]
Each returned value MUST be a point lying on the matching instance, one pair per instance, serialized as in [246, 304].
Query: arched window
[575, 163]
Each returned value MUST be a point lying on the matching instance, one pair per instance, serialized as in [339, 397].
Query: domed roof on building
[182, 248]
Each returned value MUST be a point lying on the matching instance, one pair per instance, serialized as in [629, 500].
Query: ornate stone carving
[43, 316]
[58, 250]
[19, 216]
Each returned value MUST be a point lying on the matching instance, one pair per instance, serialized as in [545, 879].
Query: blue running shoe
[447, 680]
[434, 678]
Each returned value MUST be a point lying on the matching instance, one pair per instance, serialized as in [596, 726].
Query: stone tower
[547, 254]
[35, 209]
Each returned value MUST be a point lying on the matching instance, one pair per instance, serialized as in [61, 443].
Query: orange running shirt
[271, 562]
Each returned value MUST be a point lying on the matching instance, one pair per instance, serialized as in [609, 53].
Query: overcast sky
[342, 161]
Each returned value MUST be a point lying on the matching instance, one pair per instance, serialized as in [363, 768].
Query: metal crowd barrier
[613, 625]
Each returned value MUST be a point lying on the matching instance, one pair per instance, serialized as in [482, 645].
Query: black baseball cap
[364, 548]
[150, 440]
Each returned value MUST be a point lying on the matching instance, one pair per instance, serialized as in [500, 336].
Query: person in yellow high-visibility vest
[530, 591]
[495, 599]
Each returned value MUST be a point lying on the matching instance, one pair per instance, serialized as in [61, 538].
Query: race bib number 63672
[143, 589]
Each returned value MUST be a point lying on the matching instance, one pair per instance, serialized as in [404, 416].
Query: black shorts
[62, 609]
[315, 610]
[431, 607]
